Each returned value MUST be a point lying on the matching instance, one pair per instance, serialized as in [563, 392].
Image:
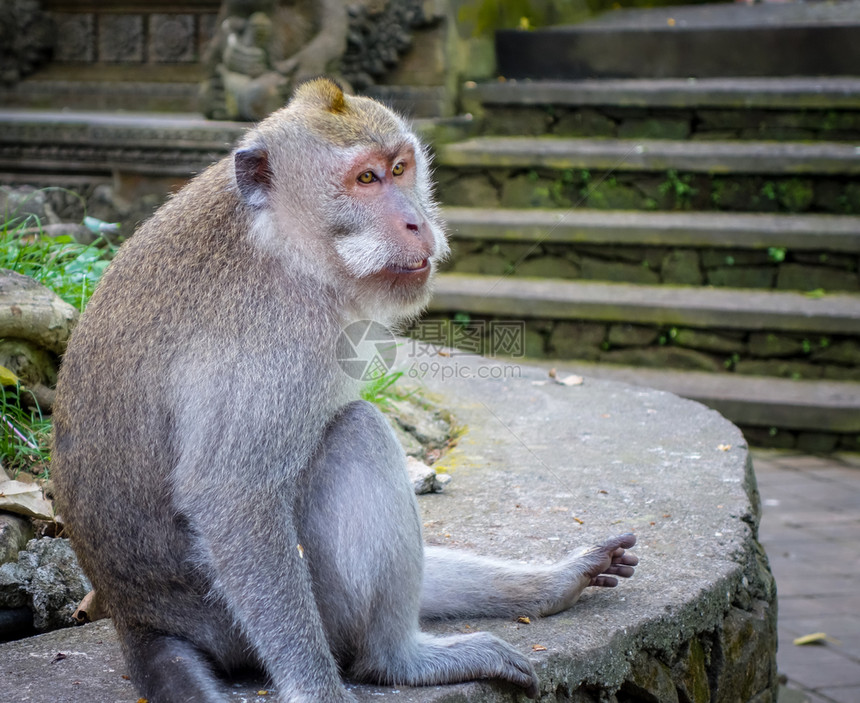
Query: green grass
[71, 270]
[24, 436]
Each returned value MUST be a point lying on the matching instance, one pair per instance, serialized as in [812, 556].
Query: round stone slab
[541, 467]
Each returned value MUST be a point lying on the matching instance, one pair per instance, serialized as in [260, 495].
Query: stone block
[841, 373]
[769, 344]
[735, 193]
[729, 120]
[662, 357]
[817, 442]
[515, 252]
[721, 343]
[463, 247]
[746, 642]
[650, 679]
[779, 368]
[576, 340]
[715, 258]
[610, 194]
[839, 261]
[475, 190]
[528, 190]
[76, 37]
[548, 267]
[805, 277]
[845, 352]
[742, 276]
[655, 128]
[512, 121]
[171, 39]
[681, 267]
[486, 264]
[625, 335]
[601, 270]
[770, 437]
[691, 673]
[795, 194]
[585, 122]
[535, 343]
[120, 38]
[652, 256]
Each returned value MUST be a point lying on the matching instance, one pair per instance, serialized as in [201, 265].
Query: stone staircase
[700, 236]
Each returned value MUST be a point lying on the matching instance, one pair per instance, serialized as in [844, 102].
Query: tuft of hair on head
[324, 93]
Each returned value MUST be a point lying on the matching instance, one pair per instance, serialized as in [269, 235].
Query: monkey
[231, 501]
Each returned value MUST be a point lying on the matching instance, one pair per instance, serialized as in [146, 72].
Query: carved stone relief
[26, 38]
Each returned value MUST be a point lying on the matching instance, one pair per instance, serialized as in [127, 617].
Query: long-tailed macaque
[231, 503]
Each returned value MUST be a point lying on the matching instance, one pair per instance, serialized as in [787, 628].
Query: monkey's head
[341, 184]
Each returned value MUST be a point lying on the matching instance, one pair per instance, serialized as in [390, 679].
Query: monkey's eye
[398, 169]
[367, 177]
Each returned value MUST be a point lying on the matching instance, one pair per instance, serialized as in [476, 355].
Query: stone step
[619, 155]
[778, 39]
[789, 93]
[750, 401]
[697, 307]
[650, 174]
[793, 108]
[716, 230]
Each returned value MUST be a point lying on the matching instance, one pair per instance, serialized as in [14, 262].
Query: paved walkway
[811, 531]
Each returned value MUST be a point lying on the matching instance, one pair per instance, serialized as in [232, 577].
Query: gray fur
[230, 504]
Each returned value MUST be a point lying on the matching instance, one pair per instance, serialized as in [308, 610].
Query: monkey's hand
[600, 565]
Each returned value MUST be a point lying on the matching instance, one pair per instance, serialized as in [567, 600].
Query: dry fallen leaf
[724, 447]
[571, 380]
[25, 499]
[524, 620]
[301, 551]
[89, 609]
[8, 378]
[815, 638]
[538, 648]
[578, 521]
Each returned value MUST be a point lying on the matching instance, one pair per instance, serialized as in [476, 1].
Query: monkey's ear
[253, 175]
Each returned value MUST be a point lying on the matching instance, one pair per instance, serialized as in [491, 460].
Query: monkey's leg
[167, 669]
[459, 584]
[361, 534]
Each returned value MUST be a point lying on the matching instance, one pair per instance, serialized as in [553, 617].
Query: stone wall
[672, 123]
[649, 191]
[155, 32]
[776, 268]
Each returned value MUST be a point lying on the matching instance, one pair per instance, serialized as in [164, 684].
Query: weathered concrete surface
[542, 468]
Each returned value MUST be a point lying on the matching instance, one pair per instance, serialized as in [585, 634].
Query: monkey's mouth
[411, 267]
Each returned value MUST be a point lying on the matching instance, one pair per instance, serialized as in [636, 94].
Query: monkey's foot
[600, 565]
[611, 561]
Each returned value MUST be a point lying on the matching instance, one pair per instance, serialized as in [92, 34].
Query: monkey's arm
[459, 584]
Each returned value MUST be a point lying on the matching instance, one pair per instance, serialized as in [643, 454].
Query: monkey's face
[386, 229]
[347, 183]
